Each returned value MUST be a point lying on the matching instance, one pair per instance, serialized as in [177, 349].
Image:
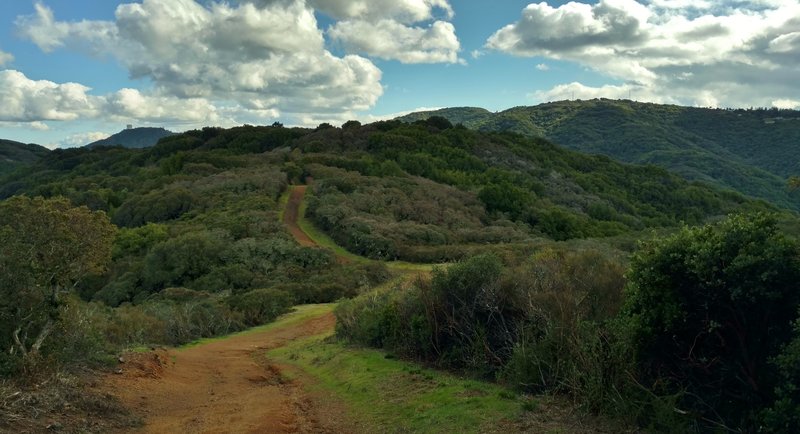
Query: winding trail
[292, 213]
[228, 385]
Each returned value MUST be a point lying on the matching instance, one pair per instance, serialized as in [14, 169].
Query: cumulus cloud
[5, 58]
[385, 29]
[786, 104]
[251, 58]
[403, 11]
[80, 139]
[730, 52]
[390, 39]
[26, 100]
[31, 102]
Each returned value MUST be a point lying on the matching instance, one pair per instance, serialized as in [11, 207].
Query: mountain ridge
[14, 154]
[142, 137]
[750, 151]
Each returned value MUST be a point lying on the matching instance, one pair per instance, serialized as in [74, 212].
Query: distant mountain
[134, 138]
[751, 151]
[14, 154]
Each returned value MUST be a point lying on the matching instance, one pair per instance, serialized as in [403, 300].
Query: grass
[389, 395]
[282, 202]
[298, 314]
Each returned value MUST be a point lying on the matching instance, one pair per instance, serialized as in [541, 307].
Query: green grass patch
[283, 201]
[390, 395]
[297, 315]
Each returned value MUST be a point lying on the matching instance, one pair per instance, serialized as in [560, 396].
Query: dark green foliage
[784, 414]
[709, 308]
[351, 125]
[261, 306]
[506, 198]
[537, 324]
[47, 246]
[157, 206]
[751, 151]
[14, 155]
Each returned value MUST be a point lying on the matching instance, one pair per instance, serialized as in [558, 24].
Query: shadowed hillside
[134, 138]
[751, 151]
[14, 154]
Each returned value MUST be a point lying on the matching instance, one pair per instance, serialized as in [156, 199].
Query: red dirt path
[226, 386]
[292, 213]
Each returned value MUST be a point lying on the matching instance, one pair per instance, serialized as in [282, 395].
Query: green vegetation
[710, 310]
[703, 337]
[15, 154]
[750, 151]
[418, 400]
[187, 244]
[46, 248]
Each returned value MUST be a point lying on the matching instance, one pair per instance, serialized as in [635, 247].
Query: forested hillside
[423, 192]
[14, 154]
[750, 151]
[184, 240]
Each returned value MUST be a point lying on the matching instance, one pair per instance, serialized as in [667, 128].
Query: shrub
[709, 308]
[261, 305]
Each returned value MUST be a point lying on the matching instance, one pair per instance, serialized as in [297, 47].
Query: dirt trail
[292, 213]
[226, 386]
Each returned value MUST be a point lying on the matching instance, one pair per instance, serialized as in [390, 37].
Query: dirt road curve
[292, 213]
[225, 386]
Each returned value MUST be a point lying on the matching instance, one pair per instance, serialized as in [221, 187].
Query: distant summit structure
[132, 137]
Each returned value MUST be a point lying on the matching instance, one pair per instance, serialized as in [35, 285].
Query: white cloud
[786, 104]
[385, 29]
[80, 139]
[730, 52]
[5, 58]
[390, 39]
[130, 104]
[403, 11]
[252, 59]
[542, 67]
[26, 100]
[34, 101]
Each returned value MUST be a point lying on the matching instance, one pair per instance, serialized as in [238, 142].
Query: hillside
[750, 151]
[423, 193]
[14, 154]
[134, 138]
[200, 244]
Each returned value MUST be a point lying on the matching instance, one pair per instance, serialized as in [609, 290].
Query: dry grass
[60, 402]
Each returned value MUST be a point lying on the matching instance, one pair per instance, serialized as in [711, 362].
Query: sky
[75, 71]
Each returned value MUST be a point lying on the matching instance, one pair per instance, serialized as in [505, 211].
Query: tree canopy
[46, 247]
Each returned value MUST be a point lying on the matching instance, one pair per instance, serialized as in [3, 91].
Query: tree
[793, 183]
[46, 247]
[710, 308]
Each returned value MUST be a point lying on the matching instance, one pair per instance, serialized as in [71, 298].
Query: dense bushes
[477, 314]
[706, 337]
[710, 309]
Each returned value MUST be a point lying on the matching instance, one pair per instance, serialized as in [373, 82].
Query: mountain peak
[143, 137]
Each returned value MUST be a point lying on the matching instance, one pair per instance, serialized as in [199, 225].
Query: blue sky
[73, 71]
